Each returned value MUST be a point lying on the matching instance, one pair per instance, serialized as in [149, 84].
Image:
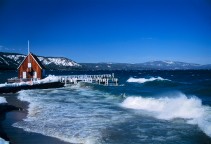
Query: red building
[31, 68]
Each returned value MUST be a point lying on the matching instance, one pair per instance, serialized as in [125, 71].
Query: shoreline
[17, 135]
[4, 109]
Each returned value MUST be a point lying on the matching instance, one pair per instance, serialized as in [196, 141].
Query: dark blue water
[147, 107]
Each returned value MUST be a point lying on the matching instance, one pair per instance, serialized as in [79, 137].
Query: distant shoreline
[10, 61]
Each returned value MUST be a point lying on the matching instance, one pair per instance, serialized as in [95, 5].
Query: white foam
[3, 141]
[168, 108]
[143, 80]
[72, 114]
[48, 79]
[2, 100]
[15, 84]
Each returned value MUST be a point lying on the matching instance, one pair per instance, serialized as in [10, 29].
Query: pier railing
[104, 79]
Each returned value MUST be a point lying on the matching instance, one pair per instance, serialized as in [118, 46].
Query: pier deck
[105, 79]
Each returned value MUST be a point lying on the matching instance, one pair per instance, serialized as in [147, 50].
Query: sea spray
[169, 108]
[3, 141]
[143, 80]
[2, 100]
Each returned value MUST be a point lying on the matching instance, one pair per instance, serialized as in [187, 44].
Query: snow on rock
[58, 61]
[169, 62]
[15, 57]
[4, 60]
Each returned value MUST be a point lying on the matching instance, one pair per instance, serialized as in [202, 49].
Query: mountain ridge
[10, 61]
[152, 65]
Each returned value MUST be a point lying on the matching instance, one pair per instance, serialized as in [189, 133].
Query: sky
[125, 31]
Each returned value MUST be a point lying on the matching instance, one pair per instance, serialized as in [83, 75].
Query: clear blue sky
[132, 31]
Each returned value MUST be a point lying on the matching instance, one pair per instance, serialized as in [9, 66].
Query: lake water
[147, 107]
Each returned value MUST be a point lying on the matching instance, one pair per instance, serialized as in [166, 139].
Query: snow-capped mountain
[13, 60]
[58, 62]
[153, 65]
[10, 61]
[169, 65]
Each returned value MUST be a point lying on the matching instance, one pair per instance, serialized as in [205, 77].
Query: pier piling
[104, 79]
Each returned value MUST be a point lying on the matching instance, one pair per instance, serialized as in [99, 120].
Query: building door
[24, 75]
[34, 74]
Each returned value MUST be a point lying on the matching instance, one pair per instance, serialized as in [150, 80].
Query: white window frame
[34, 74]
[24, 75]
[29, 65]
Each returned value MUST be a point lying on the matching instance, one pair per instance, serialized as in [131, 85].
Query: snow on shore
[48, 79]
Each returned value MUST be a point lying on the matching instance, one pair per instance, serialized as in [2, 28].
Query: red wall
[34, 67]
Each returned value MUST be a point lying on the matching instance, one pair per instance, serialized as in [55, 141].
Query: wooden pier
[104, 79]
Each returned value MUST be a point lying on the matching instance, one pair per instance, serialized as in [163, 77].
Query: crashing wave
[168, 108]
[143, 80]
[3, 141]
[2, 100]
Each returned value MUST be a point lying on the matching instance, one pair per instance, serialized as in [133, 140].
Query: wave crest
[178, 107]
[2, 141]
[2, 100]
[143, 80]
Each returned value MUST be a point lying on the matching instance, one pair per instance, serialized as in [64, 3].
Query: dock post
[116, 81]
[65, 81]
